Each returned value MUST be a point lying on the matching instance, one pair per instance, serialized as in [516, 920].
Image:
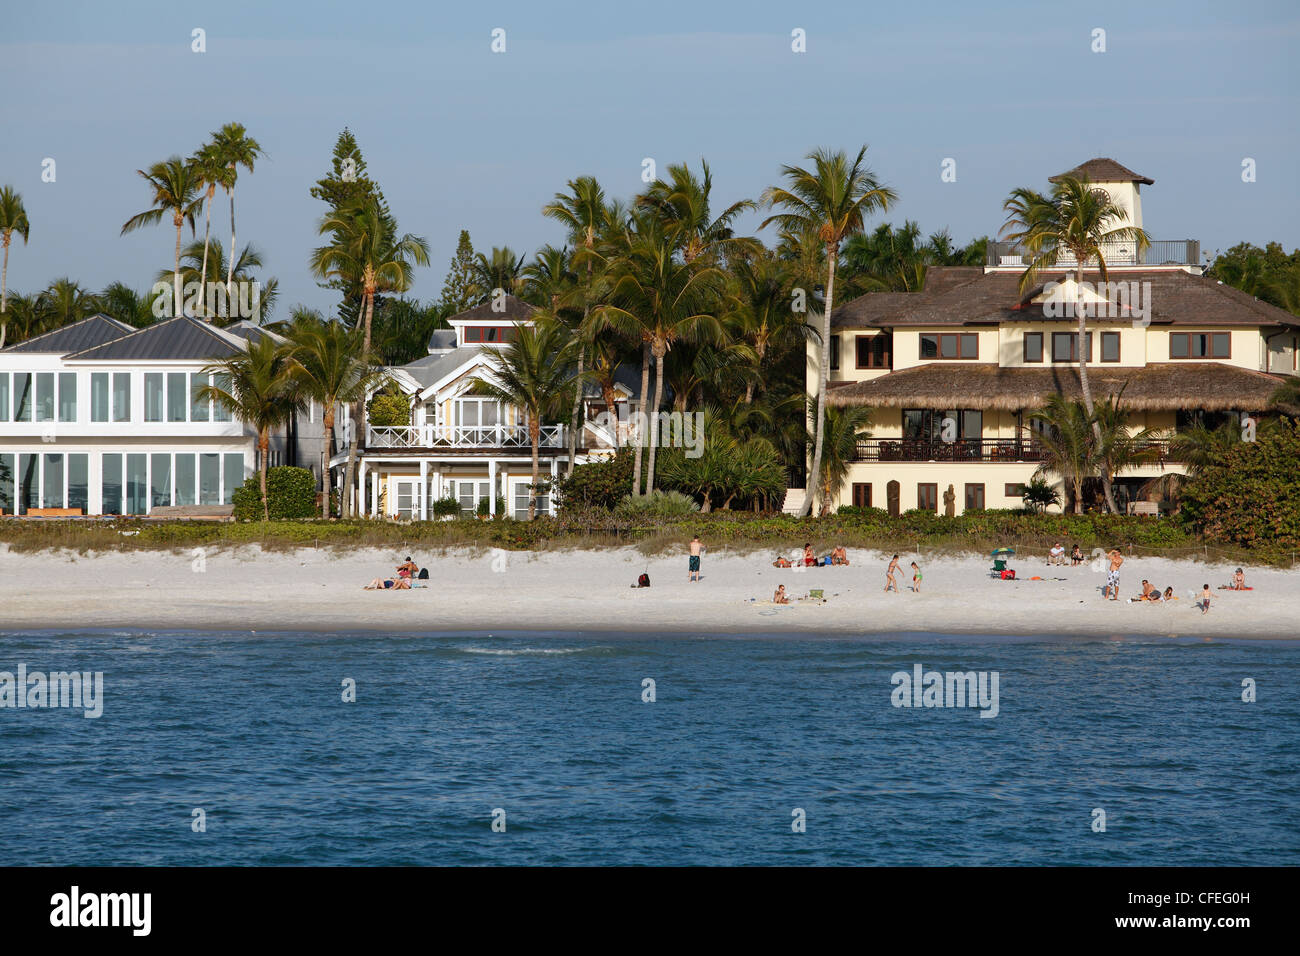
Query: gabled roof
[433, 368]
[515, 310]
[175, 339]
[87, 333]
[1103, 170]
[252, 332]
[1177, 297]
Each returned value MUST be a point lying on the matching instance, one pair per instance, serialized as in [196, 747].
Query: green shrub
[446, 507]
[858, 511]
[1039, 494]
[657, 504]
[385, 409]
[603, 483]
[482, 510]
[291, 493]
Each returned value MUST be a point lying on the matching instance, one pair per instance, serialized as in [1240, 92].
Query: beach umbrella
[997, 551]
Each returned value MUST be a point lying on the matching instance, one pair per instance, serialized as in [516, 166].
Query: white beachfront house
[100, 418]
[464, 446]
[953, 372]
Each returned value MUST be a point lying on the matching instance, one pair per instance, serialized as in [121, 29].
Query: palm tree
[549, 279]
[502, 270]
[331, 370]
[211, 256]
[1067, 444]
[262, 391]
[533, 374]
[236, 148]
[661, 300]
[1120, 448]
[583, 212]
[761, 314]
[176, 190]
[1079, 221]
[682, 206]
[212, 171]
[367, 251]
[64, 302]
[844, 427]
[832, 200]
[13, 219]
[126, 305]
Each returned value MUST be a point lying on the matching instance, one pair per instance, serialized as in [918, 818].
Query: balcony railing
[1161, 252]
[461, 436]
[971, 450]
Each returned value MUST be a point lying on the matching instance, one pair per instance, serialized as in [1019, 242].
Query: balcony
[971, 450]
[1161, 252]
[460, 437]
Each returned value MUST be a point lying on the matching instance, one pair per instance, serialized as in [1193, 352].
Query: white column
[424, 490]
[359, 500]
[492, 487]
[374, 494]
[437, 480]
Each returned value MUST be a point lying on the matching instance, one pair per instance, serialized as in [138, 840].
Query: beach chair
[1000, 558]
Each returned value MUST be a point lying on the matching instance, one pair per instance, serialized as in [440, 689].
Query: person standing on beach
[694, 564]
[1112, 576]
[1205, 598]
[890, 582]
[916, 578]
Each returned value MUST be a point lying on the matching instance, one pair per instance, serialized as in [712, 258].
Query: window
[153, 396]
[99, 396]
[22, 396]
[185, 480]
[1110, 346]
[6, 484]
[924, 424]
[1065, 346]
[45, 396]
[1196, 345]
[219, 412]
[1013, 490]
[198, 406]
[112, 485]
[78, 482]
[160, 485]
[209, 479]
[1033, 347]
[492, 334]
[861, 494]
[234, 475]
[875, 351]
[835, 353]
[52, 485]
[521, 501]
[121, 396]
[137, 484]
[67, 396]
[28, 491]
[927, 496]
[177, 400]
[963, 345]
[974, 497]
[4, 396]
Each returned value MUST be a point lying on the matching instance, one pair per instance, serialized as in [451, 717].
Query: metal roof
[88, 333]
[175, 339]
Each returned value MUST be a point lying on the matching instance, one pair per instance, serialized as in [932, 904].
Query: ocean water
[552, 729]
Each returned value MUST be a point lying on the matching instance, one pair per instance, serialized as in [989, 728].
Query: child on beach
[693, 565]
[890, 582]
[1204, 603]
[1076, 556]
[916, 578]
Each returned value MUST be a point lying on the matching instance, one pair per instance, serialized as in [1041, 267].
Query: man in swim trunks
[693, 565]
[1112, 575]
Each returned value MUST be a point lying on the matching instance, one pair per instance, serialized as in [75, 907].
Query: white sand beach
[247, 589]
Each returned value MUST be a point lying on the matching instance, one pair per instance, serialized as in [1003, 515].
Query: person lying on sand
[1169, 594]
[781, 561]
[779, 596]
[839, 555]
[389, 584]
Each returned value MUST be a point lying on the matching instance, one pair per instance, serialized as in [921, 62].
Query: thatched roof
[967, 295]
[1163, 387]
[1103, 170]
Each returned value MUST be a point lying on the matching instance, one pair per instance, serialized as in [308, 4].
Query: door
[407, 499]
[891, 493]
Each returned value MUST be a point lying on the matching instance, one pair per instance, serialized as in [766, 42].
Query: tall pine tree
[456, 291]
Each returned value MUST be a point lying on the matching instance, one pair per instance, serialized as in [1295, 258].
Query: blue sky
[460, 137]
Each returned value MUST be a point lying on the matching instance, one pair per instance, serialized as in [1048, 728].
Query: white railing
[461, 436]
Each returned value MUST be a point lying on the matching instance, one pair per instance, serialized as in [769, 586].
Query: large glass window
[219, 412]
[198, 406]
[137, 484]
[234, 465]
[6, 484]
[153, 396]
[79, 482]
[28, 489]
[185, 476]
[1065, 346]
[111, 485]
[99, 396]
[4, 396]
[67, 396]
[209, 479]
[45, 396]
[1196, 345]
[160, 481]
[177, 399]
[924, 424]
[874, 351]
[22, 396]
[963, 345]
[121, 396]
[52, 485]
